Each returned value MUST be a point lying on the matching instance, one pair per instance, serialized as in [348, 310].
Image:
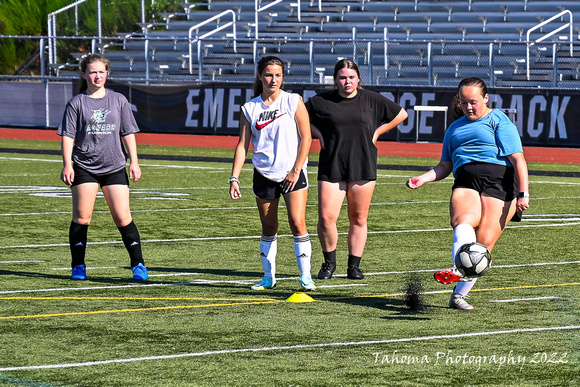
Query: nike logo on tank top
[262, 125]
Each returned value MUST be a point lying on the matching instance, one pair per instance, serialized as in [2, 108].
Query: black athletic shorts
[114, 178]
[495, 180]
[265, 188]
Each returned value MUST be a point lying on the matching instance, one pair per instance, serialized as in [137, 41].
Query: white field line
[89, 268]
[177, 166]
[29, 261]
[136, 211]
[117, 286]
[527, 218]
[251, 281]
[338, 286]
[340, 275]
[555, 182]
[196, 209]
[526, 299]
[291, 347]
[244, 169]
[119, 267]
[280, 236]
[537, 264]
[183, 166]
[31, 159]
[141, 164]
[167, 195]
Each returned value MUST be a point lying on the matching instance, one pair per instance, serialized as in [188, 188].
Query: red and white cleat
[449, 276]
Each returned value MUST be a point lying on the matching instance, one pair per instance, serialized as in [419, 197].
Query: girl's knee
[83, 221]
[298, 228]
[326, 221]
[358, 220]
[122, 222]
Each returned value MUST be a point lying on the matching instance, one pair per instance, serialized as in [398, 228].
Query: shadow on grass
[91, 278]
[396, 308]
[219, 272]
[152, 271]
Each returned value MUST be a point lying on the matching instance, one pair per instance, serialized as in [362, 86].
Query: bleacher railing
[381, 62]
[199, 39]
[568, 25]
[53, 35]
[259, 9]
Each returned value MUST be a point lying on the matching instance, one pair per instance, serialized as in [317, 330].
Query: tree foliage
[24, 18]
[30, 18]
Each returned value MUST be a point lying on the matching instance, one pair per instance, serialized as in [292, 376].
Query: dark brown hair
[85, 62]
[346, 64]
[474, 81]
[456, 111]
[262, 64]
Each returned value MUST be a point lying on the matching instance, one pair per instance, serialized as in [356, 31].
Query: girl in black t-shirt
[348, 121]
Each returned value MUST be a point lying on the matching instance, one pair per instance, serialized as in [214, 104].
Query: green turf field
[196, 322]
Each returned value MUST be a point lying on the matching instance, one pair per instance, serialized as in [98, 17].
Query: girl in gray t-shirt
[98, 133]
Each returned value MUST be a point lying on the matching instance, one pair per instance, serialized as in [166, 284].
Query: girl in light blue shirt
[484, 151]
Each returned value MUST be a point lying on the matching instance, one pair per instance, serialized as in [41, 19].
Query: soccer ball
[473, 260]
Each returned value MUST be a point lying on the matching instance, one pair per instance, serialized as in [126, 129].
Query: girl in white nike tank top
[277, 124]
[275, 135]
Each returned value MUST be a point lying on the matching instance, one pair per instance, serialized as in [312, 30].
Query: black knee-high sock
[353, 260]
[77, 238]
[132, 242]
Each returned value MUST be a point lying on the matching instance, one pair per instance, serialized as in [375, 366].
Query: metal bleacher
[410, 42]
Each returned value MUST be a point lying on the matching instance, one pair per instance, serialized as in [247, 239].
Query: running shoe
[449, 276]
[79, 272]
[265, 283]
[457, 301]
[306, 283]
[140, 272]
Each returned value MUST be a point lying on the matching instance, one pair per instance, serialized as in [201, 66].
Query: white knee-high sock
[303, 251]
[464, 287]
[268, 251]
[462, 234]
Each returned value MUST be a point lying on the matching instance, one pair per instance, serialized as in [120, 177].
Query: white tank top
[274, 135]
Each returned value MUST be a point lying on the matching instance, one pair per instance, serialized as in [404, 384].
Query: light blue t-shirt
[489, 140]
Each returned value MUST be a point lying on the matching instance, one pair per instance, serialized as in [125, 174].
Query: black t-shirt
[348, 126]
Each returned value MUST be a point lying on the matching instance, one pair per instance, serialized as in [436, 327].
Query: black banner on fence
[543, 117]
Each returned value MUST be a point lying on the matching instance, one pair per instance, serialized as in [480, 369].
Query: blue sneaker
[265, 283]
[306, 283]
[79, 272]
[140, 272]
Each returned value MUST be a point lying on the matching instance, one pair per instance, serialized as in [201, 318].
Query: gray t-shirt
[97, 125]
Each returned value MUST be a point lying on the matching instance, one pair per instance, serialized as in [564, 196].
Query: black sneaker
[326, 270]
[353, 272]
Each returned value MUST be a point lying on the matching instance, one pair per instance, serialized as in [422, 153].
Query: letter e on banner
[192, 109]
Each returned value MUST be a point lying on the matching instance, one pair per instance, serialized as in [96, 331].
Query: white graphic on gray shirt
[99, 118]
